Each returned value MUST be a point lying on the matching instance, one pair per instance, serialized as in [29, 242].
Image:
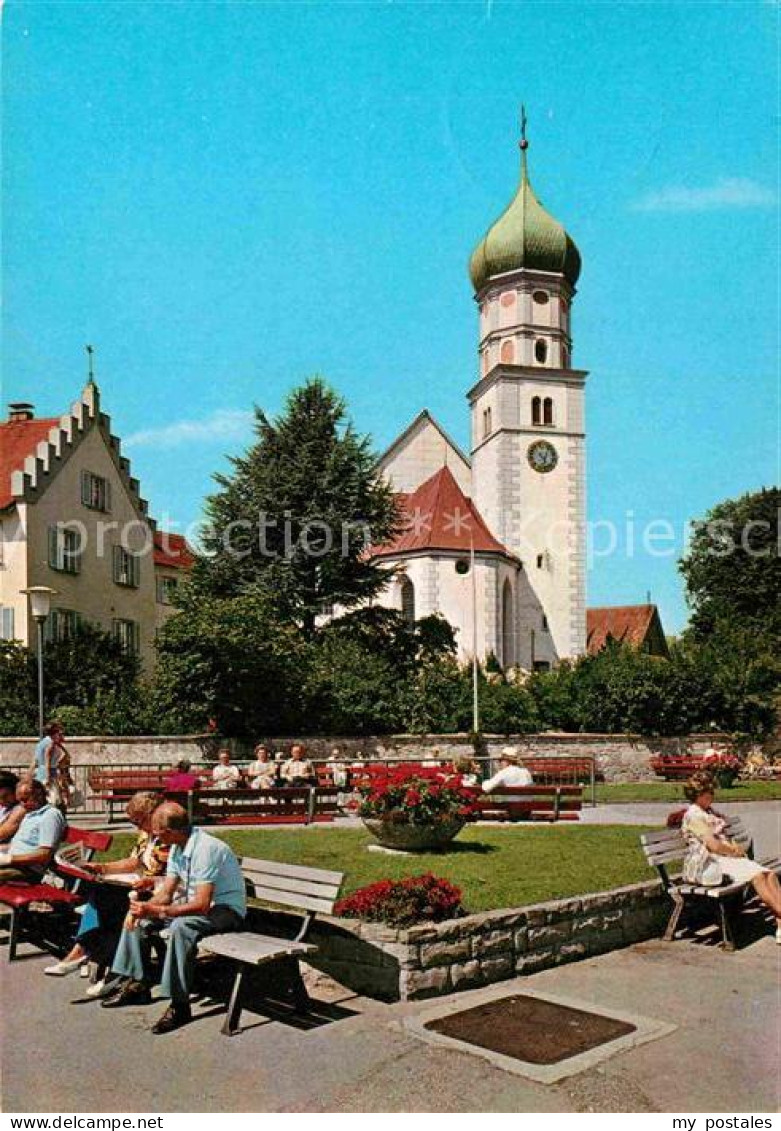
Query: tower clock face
[542, 456]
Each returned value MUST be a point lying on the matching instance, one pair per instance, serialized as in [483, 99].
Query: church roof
[525, 235]
[18, 440]
[625, 624]
[439, 516]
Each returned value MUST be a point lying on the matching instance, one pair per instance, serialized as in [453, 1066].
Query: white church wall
[420, 455]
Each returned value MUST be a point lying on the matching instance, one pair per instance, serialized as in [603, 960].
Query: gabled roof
[423, 417]
[33, 451]
[172, 550]
[625, 624]
[439, 516]
[18, 440]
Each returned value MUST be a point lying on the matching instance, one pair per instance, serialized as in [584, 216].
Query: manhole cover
[531, 1029]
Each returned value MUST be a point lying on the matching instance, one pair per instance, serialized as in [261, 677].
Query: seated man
[11, 811]
[511, 772]
[206, 877]
[298, 770]
[225, 775]
[36, 840]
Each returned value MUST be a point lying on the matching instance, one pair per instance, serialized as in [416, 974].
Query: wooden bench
[289, 886]
[19, 896]
[290, 805]
[675, 767]
[553, 771]
[116, 787]
[668, 847]
[531, 803]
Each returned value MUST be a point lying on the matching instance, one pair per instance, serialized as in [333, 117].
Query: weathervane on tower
[90, 369]
[524, 144]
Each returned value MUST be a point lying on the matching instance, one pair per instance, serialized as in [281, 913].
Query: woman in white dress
[712, 858]
[261, 772]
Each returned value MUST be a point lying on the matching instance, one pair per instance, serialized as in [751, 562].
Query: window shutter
[85, 488]
[135, 570]
[55, 560]
[107, 495]
[117, 563]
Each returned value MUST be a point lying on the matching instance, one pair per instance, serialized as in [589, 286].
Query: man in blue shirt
[203, 894]
[37, 838]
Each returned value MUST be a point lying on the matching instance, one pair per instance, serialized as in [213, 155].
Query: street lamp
[40, 597]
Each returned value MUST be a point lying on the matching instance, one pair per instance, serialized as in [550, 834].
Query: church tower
[528, 428]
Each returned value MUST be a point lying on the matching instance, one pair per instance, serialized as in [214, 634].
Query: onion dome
[525, 235]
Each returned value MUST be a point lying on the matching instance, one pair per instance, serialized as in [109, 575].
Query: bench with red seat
[675, 767]
[20, 896]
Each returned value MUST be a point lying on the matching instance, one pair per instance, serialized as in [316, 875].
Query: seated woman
[261, 773]
[106, 907]
[468, 769]
[711, 857]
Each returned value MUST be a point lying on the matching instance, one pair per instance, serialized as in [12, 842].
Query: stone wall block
[571, 951]
[533, 961]
[564, 909]
[492, 942]
[497, 968]
[444, 953]
[466, 974]
[414, 984]
[521, 940]
[548, 936]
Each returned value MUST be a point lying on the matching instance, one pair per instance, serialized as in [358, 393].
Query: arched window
[508, 627]
[547, 411]
[536, 410]
[540, 561]
[541, 350]
[508, 352]
[408, 601]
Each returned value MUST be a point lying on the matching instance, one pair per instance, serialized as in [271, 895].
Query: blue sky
[227, 198]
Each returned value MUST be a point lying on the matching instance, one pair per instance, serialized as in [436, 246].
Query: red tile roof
[626, 624]
[439, 516]
[172, 550]
[18, 440]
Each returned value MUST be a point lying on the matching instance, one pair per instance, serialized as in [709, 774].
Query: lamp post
[40, 602]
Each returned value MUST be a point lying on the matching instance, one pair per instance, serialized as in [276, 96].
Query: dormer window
[541, 351]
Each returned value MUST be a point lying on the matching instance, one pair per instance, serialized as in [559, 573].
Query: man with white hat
[510, 774]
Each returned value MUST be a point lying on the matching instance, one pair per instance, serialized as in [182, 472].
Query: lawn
[673, 791]
[494, 867]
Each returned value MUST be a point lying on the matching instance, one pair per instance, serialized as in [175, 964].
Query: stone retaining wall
[619, 758]
[433, 959]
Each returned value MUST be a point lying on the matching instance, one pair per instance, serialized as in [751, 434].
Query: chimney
[21, 410]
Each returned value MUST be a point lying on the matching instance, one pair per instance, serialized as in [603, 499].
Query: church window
[541, 350]
[508, 351]
[540, 561]
[536, 410]
[541, 297]
[544, 623]
[487, 423]
[547, 411]
[408, 601]
[508, 298]
[564, 357]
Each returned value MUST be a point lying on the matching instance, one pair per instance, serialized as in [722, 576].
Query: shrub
[400, 903]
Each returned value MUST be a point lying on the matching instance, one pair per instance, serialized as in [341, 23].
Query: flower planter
[413, 838]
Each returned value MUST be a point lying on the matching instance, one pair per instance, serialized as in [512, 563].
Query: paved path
[721, 1057]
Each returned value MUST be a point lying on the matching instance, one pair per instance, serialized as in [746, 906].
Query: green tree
[732, 568]
[293, 518]
[18, 689]
[88, 664]
[232, 660]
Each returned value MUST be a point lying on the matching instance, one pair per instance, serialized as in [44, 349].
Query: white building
[519, 499]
